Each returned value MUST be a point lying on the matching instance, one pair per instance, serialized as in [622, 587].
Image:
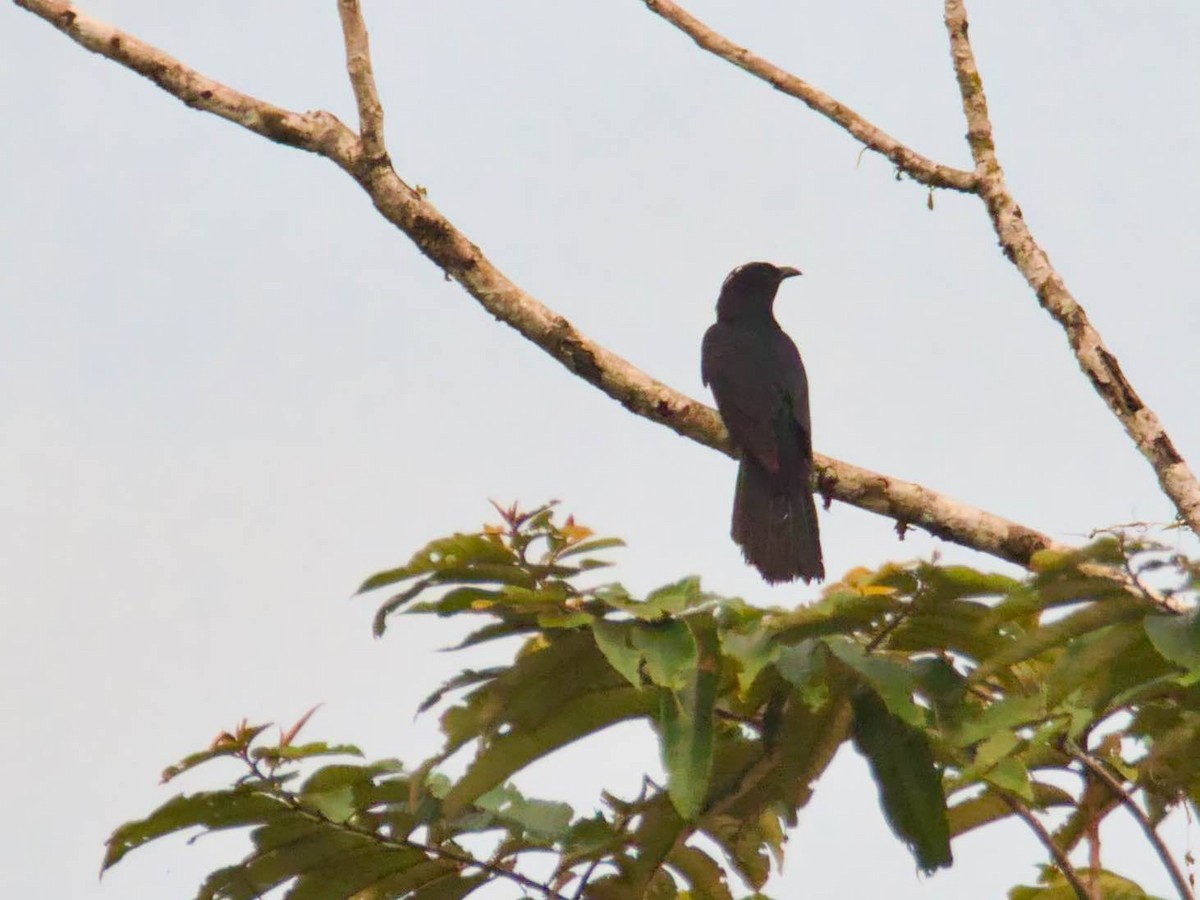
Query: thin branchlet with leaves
[973, 696]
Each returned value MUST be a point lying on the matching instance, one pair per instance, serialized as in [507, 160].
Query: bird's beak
[788, 272]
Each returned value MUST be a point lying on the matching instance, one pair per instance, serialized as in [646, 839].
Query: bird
[757, 377]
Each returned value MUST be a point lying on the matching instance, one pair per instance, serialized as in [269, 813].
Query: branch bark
[1097, 363]
[1060, 859]
[907, 160]
[323, 133]
[362, 78]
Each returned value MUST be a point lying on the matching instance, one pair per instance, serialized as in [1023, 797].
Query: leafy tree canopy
[973, 696]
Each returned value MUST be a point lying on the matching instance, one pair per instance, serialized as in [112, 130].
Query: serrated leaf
[1177, 638]
[838, 612]
[1002, 716]
[592, 546]
[891, 680]
[457, 600]
[703, 874]
[310, 750]
[280, 858]
[1054, 886]
[910, 785]
[671, 599]
[574, 719]
[562, 620]
[801, 663]
[351, 874]
[945, 688]
[463, 679]
[686, 725]
[754, 651]
[460, 551]
[214, 810]
[540, 818]
[956, 582]
[988, 807]
[1092, 617]
[1008, 774]
[614, 641]
[429, 879]
[668, 649]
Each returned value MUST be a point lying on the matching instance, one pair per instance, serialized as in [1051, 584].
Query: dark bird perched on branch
[756, 375]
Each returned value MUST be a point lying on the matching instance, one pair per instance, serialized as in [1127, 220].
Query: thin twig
[1060, 858]
[871, 136]
[1098, 769]
[362, 78]
[1097, 363]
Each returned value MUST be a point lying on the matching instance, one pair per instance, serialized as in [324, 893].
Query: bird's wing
[738, 365]
[795, 385]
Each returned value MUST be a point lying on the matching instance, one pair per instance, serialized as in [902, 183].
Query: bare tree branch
[1097, 363]
[1098, 769]
[1060, 859]
[908, 161]
[317, 132]
[362, 78]
[321, 132]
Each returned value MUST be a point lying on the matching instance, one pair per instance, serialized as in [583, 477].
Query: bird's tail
[775, 523]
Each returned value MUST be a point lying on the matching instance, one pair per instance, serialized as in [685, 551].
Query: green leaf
[686, 725]
[671, 599]
[1092, 617]
[1002, 716]
[353, 871]
[891, 680]
[1105, 884]
[945, 688]
[804, 665]
[988, 807]
[669, 650]
[460, 551]
[838, 612]
[304, 751]
[910, 785]
[1177, 638]
[956, 582]
[541, 818]
[557, 620]
[704, 875]
[753, 650]
[574, 719]
[288, 849]
[614, 641]
[214, 810]
[591, 546]
[429, 879]
[1010, 775]
[459, 599]
[465, 678]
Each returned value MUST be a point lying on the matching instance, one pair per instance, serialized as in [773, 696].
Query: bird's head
[749, 290]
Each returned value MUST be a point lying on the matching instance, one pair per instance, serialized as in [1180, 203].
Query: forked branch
[907, 160]
[362, 78]
[1097, 363]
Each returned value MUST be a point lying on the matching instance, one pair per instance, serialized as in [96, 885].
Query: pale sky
[229, 390]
